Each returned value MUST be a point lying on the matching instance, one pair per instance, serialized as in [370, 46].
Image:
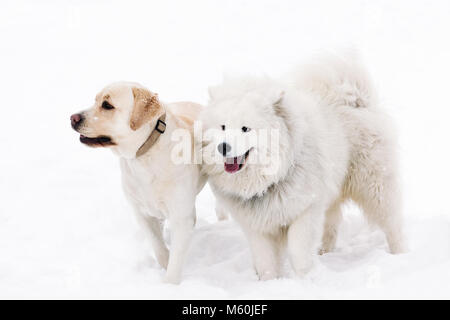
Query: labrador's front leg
[180, 235]
[153, 231]
[157, 241]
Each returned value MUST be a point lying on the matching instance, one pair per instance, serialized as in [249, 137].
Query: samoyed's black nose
[224, 148]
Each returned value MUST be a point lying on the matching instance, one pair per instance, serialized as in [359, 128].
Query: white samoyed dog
[282, 157]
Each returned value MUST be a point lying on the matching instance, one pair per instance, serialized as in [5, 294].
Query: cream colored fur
[157, 188]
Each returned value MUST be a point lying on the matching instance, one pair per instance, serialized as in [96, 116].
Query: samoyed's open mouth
[235, 164]
[101, 141]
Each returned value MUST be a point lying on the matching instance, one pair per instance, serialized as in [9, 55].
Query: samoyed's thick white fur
[335, 144]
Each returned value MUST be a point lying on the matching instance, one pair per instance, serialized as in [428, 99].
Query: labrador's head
[121, 117]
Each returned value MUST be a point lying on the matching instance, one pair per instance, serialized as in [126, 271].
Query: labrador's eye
[107, 106]
[223, 127]
[246, 129]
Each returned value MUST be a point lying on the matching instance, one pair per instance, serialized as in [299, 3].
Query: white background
[66, 230]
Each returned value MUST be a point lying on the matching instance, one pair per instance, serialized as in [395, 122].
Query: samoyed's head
[246, 139]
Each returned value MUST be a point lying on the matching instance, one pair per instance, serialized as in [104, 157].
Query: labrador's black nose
[75, 120]
[224, 148]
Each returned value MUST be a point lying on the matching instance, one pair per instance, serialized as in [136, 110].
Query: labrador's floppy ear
[146, 107]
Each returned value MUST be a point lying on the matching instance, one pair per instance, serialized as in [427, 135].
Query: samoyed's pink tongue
[231, 167]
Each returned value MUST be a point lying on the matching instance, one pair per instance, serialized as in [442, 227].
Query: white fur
[335, 144]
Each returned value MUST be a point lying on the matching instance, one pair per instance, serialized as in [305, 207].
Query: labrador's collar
[159, 129]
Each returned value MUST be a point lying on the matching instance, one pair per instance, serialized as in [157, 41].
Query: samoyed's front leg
[180, 236]
[221, 213]
[302, 239]
[265, 253]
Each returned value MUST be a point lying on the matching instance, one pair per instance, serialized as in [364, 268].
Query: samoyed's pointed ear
[277, 105]
[279, 100]
[213, 92]
[146, 107]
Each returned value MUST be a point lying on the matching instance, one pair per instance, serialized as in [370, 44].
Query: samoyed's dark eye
[246, 129]
[223, 127]
[107, 106]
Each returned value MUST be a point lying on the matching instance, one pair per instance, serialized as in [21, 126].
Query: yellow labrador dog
[138, 127]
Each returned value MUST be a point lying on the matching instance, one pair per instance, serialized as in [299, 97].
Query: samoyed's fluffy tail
[337, 80]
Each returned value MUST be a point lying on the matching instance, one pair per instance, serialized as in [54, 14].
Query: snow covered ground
[66, 230]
